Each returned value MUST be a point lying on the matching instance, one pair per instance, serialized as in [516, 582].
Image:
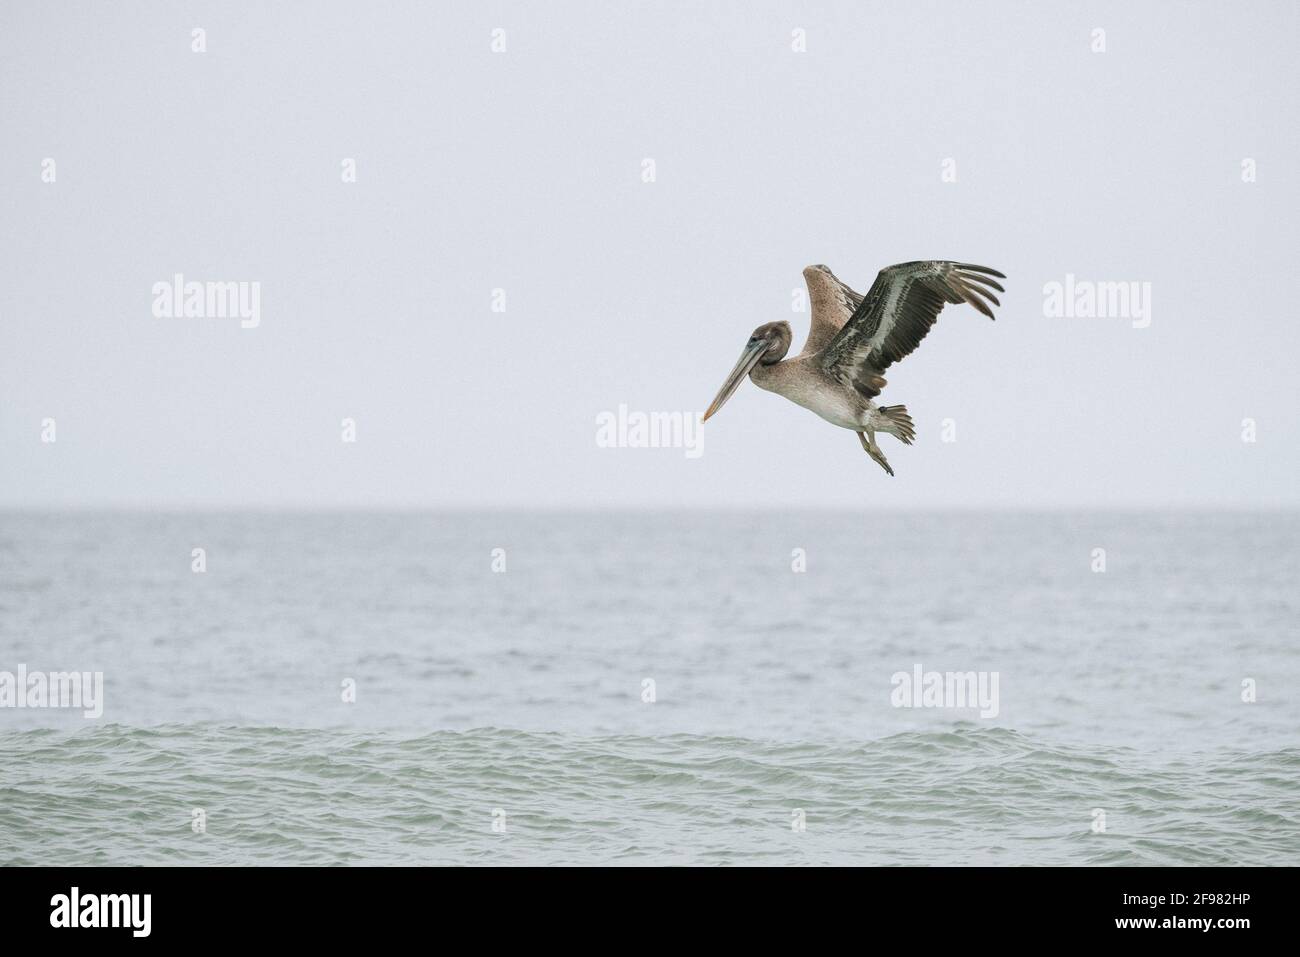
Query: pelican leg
[868, 440]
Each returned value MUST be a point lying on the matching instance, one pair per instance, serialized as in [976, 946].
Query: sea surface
[654, 688]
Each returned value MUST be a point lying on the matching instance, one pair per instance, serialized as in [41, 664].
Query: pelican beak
[748, 359]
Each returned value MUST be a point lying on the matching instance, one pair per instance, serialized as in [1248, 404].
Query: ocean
[652, 688]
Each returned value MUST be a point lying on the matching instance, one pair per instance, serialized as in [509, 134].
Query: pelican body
[853, 339]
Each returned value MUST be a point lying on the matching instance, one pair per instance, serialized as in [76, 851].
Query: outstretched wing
[897, 312]
[831, 303]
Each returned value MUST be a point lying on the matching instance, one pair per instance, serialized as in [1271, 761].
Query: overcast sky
[524, 171]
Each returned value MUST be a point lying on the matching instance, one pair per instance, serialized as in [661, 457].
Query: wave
[968, 794]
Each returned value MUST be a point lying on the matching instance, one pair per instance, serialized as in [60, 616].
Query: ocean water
[639, 688]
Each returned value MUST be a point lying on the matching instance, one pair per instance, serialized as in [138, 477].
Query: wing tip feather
[984, 269]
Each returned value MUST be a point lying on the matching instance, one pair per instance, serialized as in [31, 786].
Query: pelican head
[768, 345]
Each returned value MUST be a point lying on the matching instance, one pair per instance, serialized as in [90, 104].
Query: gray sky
[523, 171]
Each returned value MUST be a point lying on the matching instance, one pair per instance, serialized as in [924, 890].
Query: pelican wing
[829, 313]
[897, 312]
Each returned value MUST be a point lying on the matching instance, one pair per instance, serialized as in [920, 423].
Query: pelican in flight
[854, 339]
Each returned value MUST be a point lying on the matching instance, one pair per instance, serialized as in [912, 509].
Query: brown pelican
[854, 339]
